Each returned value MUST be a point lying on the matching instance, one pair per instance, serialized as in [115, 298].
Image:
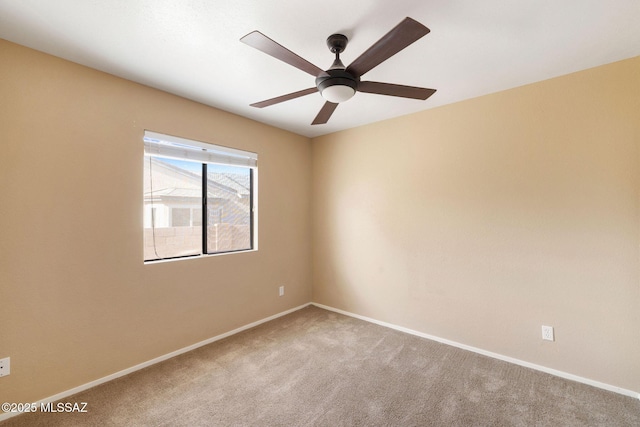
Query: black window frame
[205, 215]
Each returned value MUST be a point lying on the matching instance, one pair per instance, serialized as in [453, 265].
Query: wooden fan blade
[401, 36]
[395, 90]
[325, 113]
[263, 43]
[283, 98]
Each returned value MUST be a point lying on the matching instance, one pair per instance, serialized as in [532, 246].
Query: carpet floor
[318, 368]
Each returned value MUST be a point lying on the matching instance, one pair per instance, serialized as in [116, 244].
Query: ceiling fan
[340, 83]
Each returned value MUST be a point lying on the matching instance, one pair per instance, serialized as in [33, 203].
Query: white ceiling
[191, 47]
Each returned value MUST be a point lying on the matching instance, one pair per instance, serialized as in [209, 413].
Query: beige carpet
[318, 368]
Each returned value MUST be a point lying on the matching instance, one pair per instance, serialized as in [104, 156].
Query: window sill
[194, 257]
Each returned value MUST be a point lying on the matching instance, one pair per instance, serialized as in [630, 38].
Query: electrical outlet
[547, 333]
[281, 291]
[5, 367]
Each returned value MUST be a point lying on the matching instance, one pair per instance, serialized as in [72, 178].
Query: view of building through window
[174, 199]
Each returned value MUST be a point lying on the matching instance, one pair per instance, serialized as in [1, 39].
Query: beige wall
[476, 222]
[479, 222]
[76, 301]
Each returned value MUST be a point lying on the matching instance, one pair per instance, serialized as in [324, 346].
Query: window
[198, 198]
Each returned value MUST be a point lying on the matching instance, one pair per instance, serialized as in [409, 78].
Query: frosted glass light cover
[338, 93]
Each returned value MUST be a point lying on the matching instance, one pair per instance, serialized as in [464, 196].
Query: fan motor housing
[337, 77]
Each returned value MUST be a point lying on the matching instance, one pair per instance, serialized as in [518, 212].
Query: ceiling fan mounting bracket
[337, 43]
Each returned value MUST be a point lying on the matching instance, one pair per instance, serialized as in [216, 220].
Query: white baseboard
[67, 393]
[551, 371]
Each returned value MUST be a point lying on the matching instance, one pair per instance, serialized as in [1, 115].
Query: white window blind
[173, 147]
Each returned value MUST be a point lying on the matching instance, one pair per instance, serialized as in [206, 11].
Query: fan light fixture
[337, 87]
[338, 93]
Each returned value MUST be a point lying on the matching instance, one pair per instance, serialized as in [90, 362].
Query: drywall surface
[481, 221]
[77, 301]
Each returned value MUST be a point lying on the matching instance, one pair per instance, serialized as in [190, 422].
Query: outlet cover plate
[5, 366]
[547, 333]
